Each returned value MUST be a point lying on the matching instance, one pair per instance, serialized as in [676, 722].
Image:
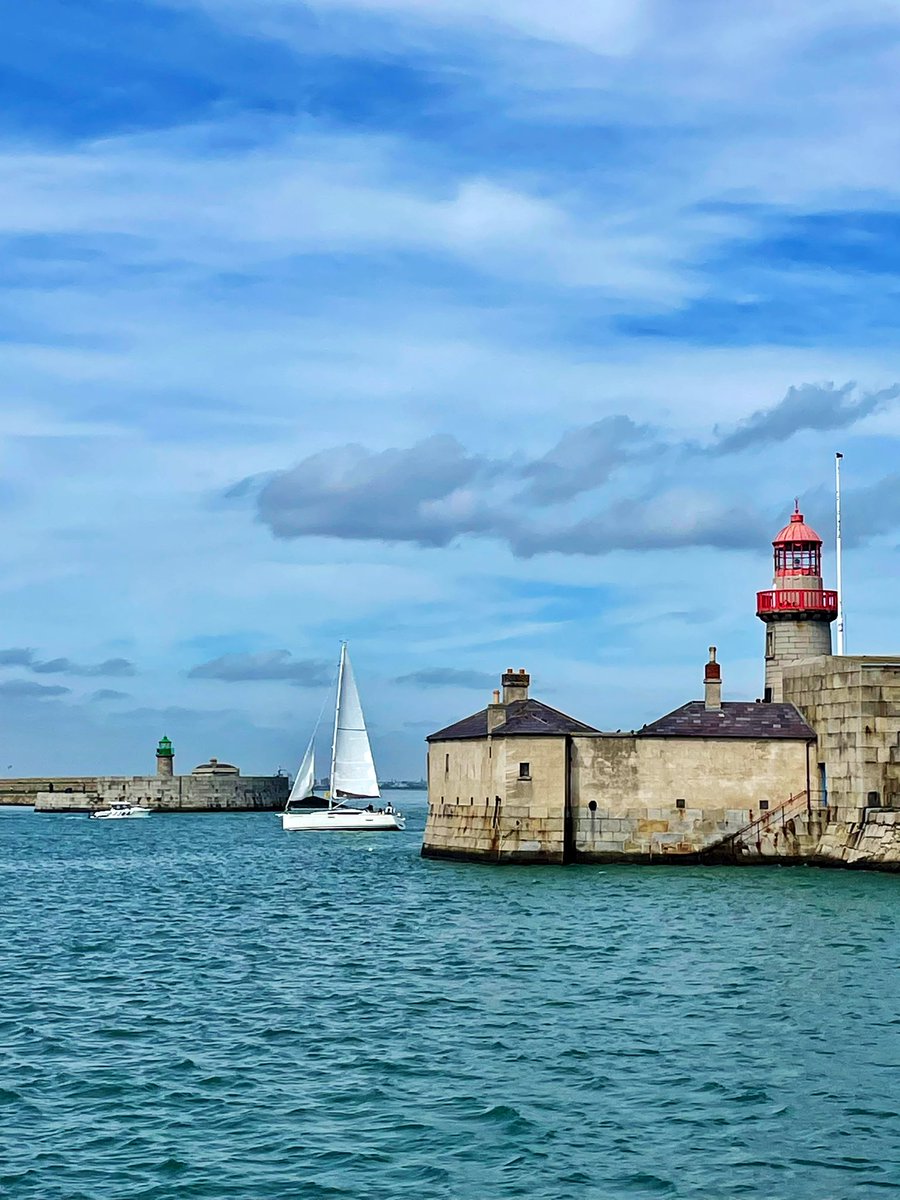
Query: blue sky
[481, 341]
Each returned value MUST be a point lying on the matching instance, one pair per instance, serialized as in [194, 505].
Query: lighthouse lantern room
[797, 610]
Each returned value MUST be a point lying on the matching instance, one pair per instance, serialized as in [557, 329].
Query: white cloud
[172, 198]
[472, 288]
[606, 26]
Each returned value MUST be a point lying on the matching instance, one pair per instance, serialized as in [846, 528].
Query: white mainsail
[305, 780]
[352, 767]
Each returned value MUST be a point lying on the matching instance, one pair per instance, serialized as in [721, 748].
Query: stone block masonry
[813, 778]
[181, 793]
[211, 787]
[873, 841]
[853, 704]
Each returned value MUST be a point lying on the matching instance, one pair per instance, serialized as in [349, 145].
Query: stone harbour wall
[181, 793]
[853, 704]
[644, 798]
[483, 804]
[596, 797]
[872, 840]
[24, 792]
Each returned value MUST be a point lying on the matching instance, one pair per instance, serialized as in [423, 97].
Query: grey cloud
[434, 492]
[399, 495]
[26, 689]
[866, 512]
[809, 406]
[16, 657]
[436, 677]
[584, 459]
[643, 526]
[246, 487]
[21, 657]
[118, 667]
[688, 616]
[274, 664]
[105, 694]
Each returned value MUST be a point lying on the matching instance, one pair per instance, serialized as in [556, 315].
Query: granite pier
[211, 787]
[810, 771]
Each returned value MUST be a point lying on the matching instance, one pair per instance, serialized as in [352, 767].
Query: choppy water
[203, 1006]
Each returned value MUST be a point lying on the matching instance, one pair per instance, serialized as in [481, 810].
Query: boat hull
[113, 815]
[337, 820]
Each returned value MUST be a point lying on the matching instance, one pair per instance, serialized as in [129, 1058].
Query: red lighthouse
[798, 611]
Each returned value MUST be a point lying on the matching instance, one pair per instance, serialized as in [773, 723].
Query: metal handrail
[782, 813]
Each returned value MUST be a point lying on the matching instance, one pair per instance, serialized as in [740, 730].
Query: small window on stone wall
[592, 805]
[680, 803]
[524, 770]
[446, 764]
[873, 800]
[763, 805]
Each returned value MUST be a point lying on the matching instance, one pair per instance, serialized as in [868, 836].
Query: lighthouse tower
[165, 758]
[798, 611]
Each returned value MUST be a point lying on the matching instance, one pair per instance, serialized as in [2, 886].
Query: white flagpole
[840, 577]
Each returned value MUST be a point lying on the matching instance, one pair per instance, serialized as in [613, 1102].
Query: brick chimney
[515, 685]
[496, 713]
[712, 683]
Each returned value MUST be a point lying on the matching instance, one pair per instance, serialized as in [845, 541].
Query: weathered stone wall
[634, 783]
[25, 791]
[622, 794]
[182, 793]
[853, 704]
[479, 807]
[872, 840]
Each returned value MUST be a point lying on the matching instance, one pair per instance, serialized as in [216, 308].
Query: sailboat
[352, 776]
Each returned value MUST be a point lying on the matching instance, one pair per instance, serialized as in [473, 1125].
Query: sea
[205, 1006]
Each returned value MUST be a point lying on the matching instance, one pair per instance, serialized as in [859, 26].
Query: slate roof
[529, 717]
[735, 719]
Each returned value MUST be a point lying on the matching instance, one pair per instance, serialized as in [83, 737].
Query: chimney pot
[496, 695]
[515, 685]
[712, 683]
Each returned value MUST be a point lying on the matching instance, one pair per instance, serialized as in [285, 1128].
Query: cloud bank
[272, 665]
[809, 406]
[564, 501]
[455, 677]
[22, 657]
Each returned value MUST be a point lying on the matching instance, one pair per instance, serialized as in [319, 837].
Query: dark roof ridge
[753, 720]
[520, 714]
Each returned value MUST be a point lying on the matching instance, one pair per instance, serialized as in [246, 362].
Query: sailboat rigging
[352, 775]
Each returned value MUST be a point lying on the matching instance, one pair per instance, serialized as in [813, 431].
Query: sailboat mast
[337, 715]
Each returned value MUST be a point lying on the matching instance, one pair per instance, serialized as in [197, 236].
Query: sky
[477, 335]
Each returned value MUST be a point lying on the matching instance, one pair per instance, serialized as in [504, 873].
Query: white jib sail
[305, 780]
[354, 770]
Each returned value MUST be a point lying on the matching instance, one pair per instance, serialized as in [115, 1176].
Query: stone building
[808, 771]
[211, 787]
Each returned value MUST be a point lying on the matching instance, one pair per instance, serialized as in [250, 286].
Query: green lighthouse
[165, 758]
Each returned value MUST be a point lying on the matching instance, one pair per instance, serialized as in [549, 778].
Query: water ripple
[205, 1007]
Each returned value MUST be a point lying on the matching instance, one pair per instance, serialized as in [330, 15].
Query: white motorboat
[120, 811]
[352, 777]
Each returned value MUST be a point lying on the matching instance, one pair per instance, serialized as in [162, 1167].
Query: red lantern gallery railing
[796, 600]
